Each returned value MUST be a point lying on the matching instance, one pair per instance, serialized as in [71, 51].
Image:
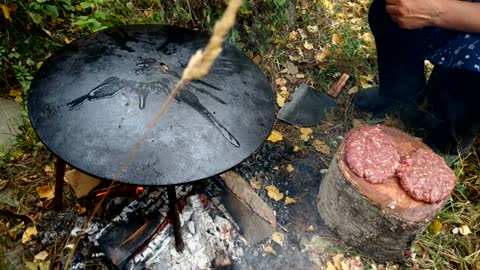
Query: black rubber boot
[453, 97]
[400, 59]
[370, 100]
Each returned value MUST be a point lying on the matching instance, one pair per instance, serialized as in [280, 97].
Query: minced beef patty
[371, 153]
[426, 177]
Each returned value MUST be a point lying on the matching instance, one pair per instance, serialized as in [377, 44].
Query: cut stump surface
[381, 220]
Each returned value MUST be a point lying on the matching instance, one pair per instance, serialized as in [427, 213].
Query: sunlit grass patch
[457, 244]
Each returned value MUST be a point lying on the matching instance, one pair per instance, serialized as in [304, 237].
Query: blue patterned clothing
[453, 49]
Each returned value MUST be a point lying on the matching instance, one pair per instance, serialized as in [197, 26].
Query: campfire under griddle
[141, 235]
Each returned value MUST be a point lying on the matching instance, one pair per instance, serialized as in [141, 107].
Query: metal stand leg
[59, 174]
[173, 212]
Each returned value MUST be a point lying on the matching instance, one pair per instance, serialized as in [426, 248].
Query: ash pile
[141, 235]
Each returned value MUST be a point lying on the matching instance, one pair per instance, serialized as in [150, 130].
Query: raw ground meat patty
[371, 153]
[426, 177]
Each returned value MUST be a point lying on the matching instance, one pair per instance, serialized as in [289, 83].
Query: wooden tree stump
[380, 220]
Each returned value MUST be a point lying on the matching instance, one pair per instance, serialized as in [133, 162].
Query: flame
[101, 194]
[139, 191]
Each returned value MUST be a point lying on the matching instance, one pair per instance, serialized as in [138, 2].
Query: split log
[255, 218]
[380, 220]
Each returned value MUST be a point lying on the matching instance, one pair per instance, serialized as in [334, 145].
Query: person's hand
[413, 14]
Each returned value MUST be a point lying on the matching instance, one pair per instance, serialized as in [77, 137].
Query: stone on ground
[10, 117]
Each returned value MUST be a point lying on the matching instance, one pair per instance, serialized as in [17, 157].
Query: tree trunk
[380, 220]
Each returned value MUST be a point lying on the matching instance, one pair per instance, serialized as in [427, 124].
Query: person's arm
[459, 15]
[449, 14]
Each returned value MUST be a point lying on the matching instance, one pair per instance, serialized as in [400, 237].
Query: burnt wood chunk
[380, 220]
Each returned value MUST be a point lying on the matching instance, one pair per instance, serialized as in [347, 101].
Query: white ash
[150, 201]
[205, 237]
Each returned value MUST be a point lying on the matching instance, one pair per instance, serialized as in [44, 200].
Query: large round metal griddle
[92, 101]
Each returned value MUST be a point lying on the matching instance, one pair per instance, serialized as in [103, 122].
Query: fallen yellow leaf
[328, 4]
[357, 123]
[337, 259]
[464, 230]
[312, 28]
[289, 200]
[293, 36]
[45, 192]
[337, 39]
[280, 81]
[311, 228]
[302, 33]
[290, 168]
[41, 256]
[367, 81]
[256, 183]
[322, 56]
[282, 96]
[275, 136]
[278, 238]
[330, 266]
[321, 147]
[274, 193]
[356, 28]
[307, 45]
[306, 132]
[28, 233]
[269, 249]
[67, 40]
[49, 171]
[280, 100]
[368, 39]
[148, 12]
[353, 90]
[6, 12]
[15, 93]
[296, 148]
[78, 7]
[41, 265]
[257, 59]
[435, 227]
[246, 12]
[299, 75]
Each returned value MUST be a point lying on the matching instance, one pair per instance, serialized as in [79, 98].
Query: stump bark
[380, 220]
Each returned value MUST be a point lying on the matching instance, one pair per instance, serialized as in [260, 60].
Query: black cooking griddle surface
[91, 101]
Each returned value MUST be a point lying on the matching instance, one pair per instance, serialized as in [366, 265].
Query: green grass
[40, 27]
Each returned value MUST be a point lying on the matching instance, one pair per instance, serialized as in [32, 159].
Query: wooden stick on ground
[337, 87]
